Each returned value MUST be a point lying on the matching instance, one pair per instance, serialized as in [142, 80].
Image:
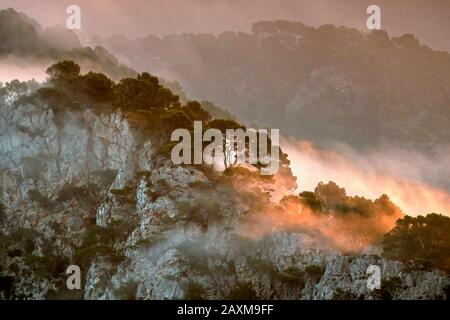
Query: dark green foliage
[422, 239]
[340, 294]
[357, 215]
[201, 210]
[331, 195]
[97, 87]
[43, 201]
[333, 199]
[22, 244]
[127, 195]
[127, 291]
[63, 293]
[22, 238]
[195, 112]
[145, 93]
[64, 74]
[388, 288]
[261, 265]
[194, 291]
[291, 276]
[242, 291]
[99, 241]
[176, 88]
[310, 200]
[84, 195]
[70, 191]
[55, 99]
[244, 174]
[314, 271]
[224, 124]
[47, 266]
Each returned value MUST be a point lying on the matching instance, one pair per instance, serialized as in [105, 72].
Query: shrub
[201, 211]
[388, 288]
[194, 291]
[63, 293]
[292, 276]
[340, 294]
[98, 241]
[242, 291]
[314, 270]
[122, 192]
[69, 191]
[127, 291]
[40, 199]
[47, 266]
[261, 265]
[26, 238]
[126, 195]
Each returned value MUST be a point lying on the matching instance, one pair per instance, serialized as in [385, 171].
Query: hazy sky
[428, 19]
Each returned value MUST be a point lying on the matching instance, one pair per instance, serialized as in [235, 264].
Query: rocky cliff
[89, 190]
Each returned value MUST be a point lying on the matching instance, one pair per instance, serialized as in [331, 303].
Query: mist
[15, 68]
[410, 179]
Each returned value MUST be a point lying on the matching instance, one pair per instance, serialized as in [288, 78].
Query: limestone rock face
[89, 191]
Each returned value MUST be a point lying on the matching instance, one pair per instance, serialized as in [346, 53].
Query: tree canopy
[422, 239]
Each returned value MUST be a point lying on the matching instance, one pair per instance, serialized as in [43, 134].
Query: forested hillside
[323, 84]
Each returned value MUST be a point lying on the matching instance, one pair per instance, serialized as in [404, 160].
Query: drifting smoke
[330, 217]
[350, 232]
[373, 174]
[327, 218]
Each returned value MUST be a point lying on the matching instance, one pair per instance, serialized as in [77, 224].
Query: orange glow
[313, 165]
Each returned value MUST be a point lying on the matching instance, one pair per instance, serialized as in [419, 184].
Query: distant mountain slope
[24, 44]
[325, 84]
